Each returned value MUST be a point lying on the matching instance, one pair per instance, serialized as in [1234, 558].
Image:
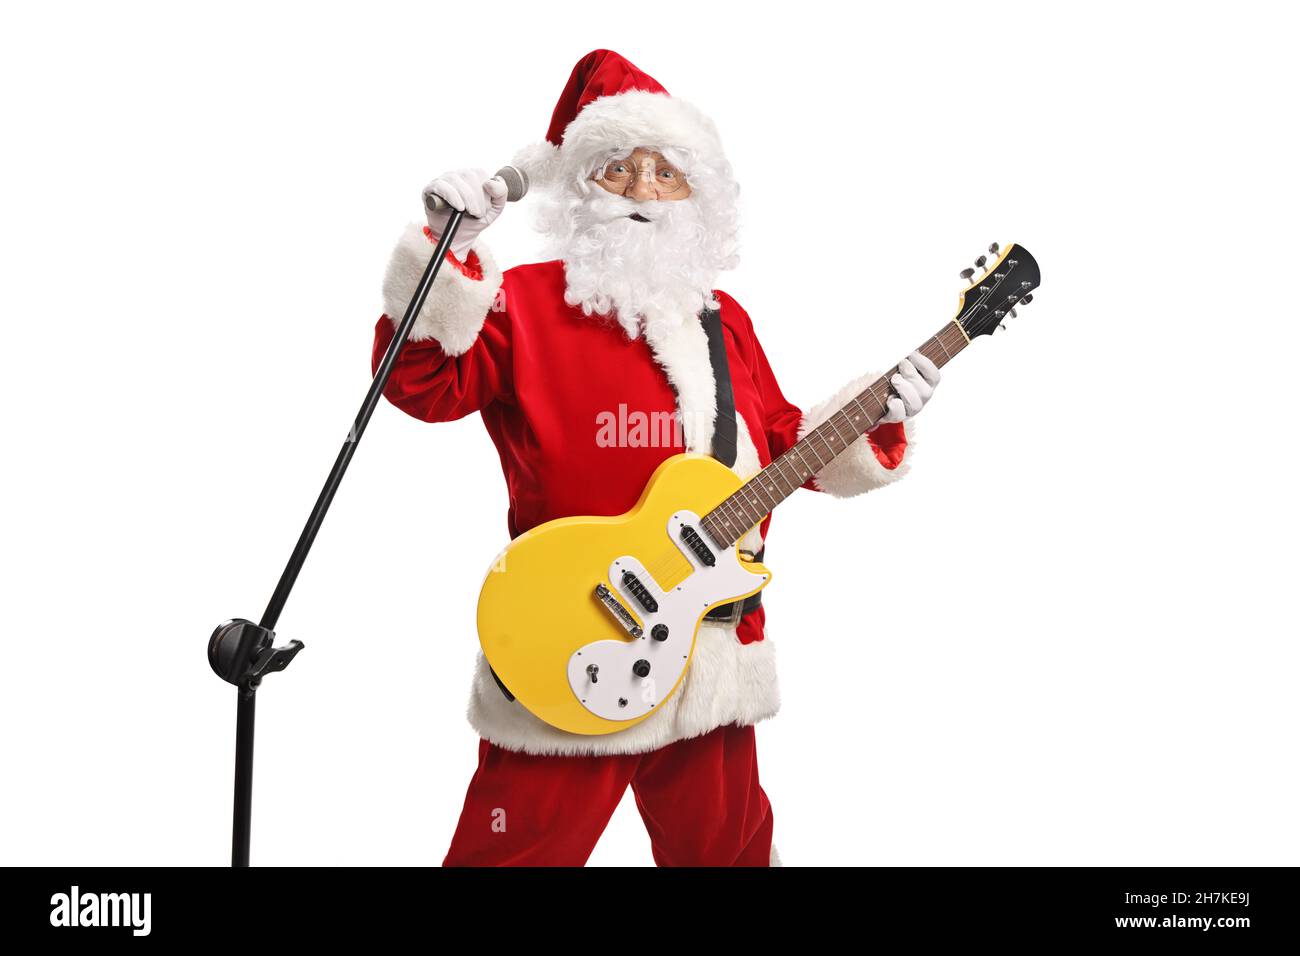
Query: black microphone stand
[242, 652]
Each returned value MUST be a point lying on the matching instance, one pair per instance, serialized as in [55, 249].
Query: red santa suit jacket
[581, 416]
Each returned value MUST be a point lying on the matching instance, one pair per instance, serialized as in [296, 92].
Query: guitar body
[595, 663]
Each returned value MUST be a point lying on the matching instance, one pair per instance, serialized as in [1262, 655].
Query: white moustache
[604, 207]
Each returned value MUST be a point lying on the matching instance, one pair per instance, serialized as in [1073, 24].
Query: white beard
[650, 276]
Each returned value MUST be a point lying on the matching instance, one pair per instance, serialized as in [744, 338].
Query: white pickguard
[618, 693]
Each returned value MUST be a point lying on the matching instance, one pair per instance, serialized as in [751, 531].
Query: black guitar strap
[724, 442]
[724, 425]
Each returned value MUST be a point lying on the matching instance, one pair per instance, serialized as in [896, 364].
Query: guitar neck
[755, 499]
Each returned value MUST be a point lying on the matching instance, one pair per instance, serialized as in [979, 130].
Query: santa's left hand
[914, 382]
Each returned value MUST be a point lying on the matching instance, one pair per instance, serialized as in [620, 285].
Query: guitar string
[734, 512]
[670, 561]
[783, 463]
[856, 400]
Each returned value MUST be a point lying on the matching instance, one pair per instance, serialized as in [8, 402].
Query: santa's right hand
[470, 191]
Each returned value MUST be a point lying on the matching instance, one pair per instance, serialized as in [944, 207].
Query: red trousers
[699, 798]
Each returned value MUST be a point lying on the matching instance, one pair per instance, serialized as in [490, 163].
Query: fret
[758, 490]
[861, 411]
[735, 514]
[725, 531]
[823, 442]
[759, 496]
[773, 486]
[784, 462]
[945, 351]
[840, 434]
[805, 469]
[807, 443]
[820, 446]
[808, 470]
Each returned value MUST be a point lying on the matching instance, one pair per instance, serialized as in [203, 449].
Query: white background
[1066, 638]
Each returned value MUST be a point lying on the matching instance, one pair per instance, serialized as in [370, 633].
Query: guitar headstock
[1007, 280]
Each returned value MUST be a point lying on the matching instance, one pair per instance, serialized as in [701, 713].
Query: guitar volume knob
[659, 632]
[641, 668]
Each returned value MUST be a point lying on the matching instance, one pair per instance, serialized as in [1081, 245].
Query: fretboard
[728, 522]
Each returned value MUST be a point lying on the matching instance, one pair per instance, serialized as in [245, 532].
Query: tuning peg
[993, 248]
[1012, 313]
[967, 274]
[979, 263]
[1001, 327]
[1027, 298]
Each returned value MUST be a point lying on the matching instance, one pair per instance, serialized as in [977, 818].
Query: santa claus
[640, 207]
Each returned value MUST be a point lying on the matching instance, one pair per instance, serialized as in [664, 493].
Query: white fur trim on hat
[727, 683]
[857, 469]
[623, 121]
[456, 307]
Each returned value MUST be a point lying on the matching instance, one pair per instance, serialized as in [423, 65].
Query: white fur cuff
[858, 469]
[456, 307]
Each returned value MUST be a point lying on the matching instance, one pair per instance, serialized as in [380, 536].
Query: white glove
[472, 192]
[914, 383]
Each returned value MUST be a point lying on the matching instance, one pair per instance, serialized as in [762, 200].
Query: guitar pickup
[697, 546]
[640, 592]
[606, 597]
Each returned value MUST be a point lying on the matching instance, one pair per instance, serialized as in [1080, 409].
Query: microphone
[516, 181]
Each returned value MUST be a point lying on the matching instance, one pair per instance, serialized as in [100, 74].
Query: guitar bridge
[606, 597]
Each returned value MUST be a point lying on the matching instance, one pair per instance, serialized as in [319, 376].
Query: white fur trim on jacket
[726, 683]
[682, 351]
[858, 469]
[456, 307]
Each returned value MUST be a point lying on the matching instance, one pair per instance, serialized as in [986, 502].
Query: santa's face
[640, 242]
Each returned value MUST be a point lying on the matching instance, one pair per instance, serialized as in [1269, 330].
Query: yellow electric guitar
[591, 621]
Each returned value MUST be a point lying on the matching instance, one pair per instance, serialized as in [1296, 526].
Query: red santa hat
[609, 104]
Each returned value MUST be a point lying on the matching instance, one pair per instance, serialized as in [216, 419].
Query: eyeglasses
[618, 175]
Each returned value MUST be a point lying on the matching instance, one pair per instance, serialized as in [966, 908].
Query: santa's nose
[643, 187]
